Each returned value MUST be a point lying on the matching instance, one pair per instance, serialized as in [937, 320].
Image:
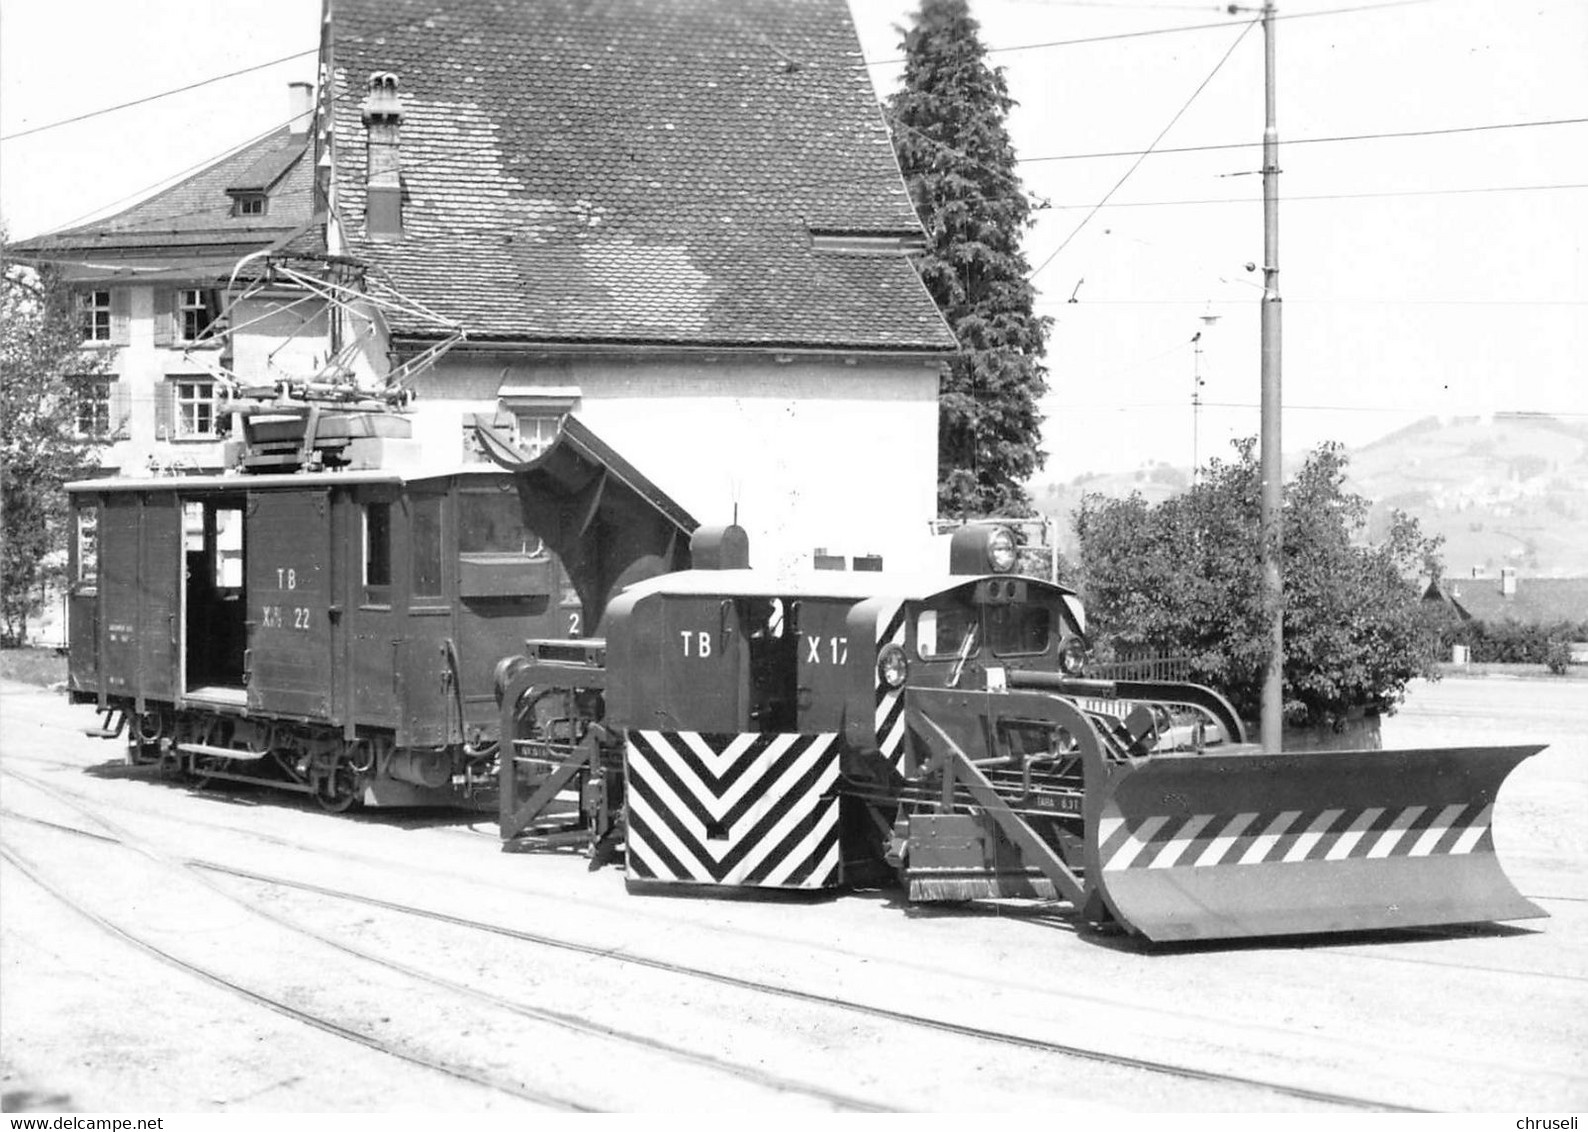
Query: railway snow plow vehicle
[741, 729]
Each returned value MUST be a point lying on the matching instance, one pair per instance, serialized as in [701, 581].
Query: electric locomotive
[327, 616]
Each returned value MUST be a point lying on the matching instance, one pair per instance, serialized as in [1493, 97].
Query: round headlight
[1072, 656]
[893, 665]
[1001, 551]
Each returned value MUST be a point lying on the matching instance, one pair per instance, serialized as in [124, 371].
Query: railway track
[904, 1022]
[634, 1041]
[278, 1005]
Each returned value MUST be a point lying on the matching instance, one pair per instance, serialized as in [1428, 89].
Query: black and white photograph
[793, 557]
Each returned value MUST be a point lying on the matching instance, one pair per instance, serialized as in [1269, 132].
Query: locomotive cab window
[1019, 629]
[947, 632]
[493, 523]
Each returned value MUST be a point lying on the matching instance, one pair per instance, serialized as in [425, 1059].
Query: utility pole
[1272, 468]
[1196, 403]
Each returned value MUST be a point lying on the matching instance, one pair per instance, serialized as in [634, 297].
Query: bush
[1558, 657]
[1184, 578]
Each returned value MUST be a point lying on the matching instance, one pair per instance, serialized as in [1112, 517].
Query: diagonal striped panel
[1159, 841]
[754, 810]
[889, 720]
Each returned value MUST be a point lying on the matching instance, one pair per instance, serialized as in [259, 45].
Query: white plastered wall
[815, 450]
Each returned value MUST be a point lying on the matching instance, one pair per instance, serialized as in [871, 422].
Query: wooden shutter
[120, 316]
[120, 409]
[165, 410]
[164, 316]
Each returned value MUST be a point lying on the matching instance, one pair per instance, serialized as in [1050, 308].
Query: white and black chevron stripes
[752, 810]
[890, 701]
[1287, 836]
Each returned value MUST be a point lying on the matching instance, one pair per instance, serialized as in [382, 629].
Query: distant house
[149, 284]
[681, 221]
[1529, 601]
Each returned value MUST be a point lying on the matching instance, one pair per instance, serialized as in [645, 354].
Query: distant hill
[1506, 490]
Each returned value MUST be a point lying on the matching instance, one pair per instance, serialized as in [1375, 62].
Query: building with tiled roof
[150, 280]
[1527, 601]
[680, 219]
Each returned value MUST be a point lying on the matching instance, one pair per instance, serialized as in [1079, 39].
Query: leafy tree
[42, 375]
[948, 131]
[1185, 577]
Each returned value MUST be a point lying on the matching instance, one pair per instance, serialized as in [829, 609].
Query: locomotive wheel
[343, 791]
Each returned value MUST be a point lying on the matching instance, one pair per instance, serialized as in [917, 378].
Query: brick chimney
[300, 106]
[383, 115]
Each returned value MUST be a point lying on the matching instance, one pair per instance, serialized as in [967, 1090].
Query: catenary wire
[1137, 163]
[1332, 196]
[1163, 31]
[1439, 132]
[154, 97]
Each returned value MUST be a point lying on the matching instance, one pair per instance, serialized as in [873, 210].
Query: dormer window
[248, 204]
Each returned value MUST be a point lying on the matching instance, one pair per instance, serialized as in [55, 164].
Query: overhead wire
[1388, 134]
[1323, 196]
[173, 179]
[155, 97]
[1217, 67]
[1084, 40]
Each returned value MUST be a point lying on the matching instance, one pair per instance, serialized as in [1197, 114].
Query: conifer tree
[949, 134]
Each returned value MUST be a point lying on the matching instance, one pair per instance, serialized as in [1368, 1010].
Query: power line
[154, 97]
[200, 83]
[1310, 141]
[1317, 196]
[170, 180]
[1137, 163]
[1289, 302]
[1431, 407]
[1165, 31]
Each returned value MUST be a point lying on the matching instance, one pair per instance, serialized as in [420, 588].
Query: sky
[1440, 273]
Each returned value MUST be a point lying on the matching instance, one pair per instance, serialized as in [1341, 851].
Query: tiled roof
[197, 213]
[635, 171]
[1537, 601]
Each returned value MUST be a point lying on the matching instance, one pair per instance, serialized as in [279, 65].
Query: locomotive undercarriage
[205, 747]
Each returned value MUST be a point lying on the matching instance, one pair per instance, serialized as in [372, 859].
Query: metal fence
[1142, 666]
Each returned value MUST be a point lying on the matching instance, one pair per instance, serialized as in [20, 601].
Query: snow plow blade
[1249, 844]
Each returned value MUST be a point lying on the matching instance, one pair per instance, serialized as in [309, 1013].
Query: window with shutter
[120, 410]
[193, 408]
[197, 312]
[164, 410]
[92, 402]
[94, 312]
[164, 319]
[121, 316]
